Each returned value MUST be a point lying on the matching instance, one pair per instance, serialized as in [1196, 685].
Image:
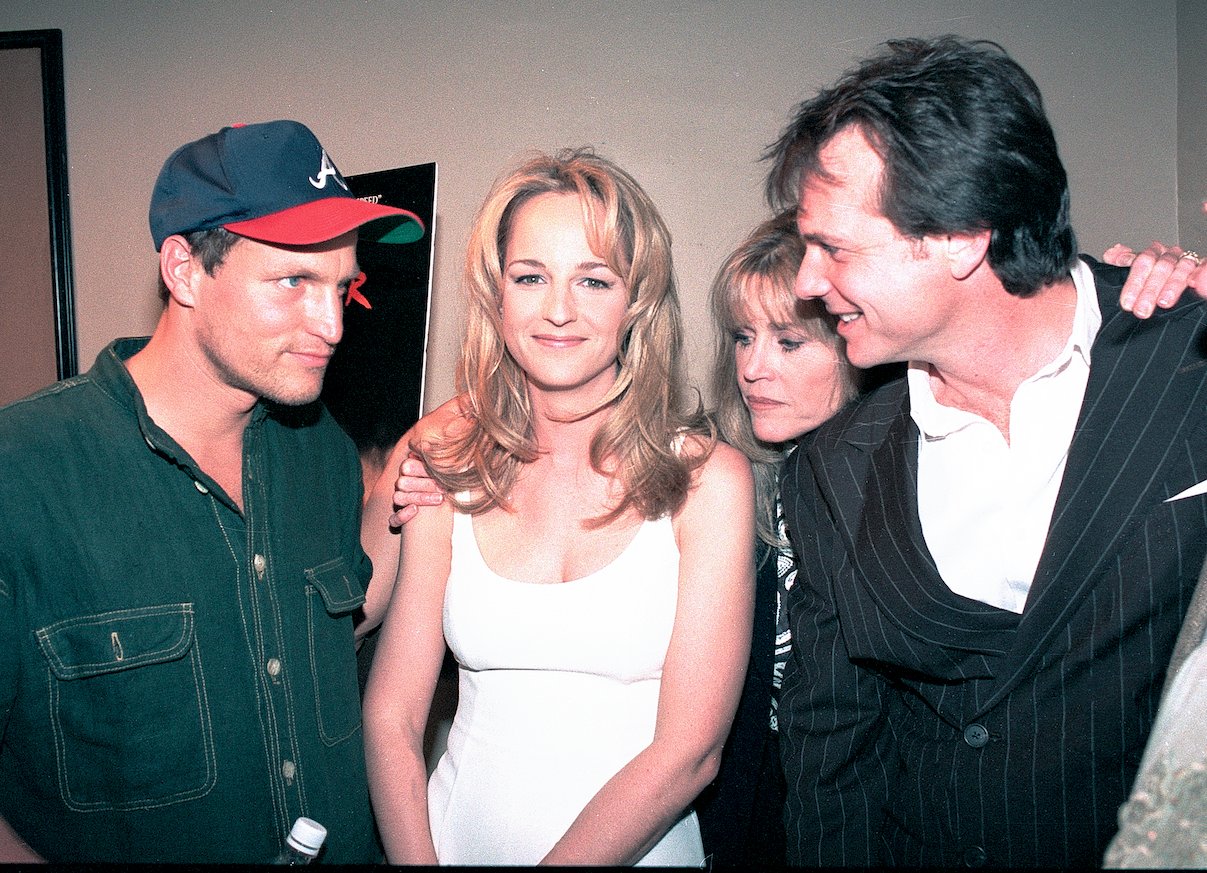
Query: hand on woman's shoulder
[440, 422]
[383, 499]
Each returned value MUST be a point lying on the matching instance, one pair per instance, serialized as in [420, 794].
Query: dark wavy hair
[966, 147]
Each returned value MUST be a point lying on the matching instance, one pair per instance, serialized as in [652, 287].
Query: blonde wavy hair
[760, 275]
[642, 442]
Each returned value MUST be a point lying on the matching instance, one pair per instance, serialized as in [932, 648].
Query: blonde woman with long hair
[779, 373]
[592, 572]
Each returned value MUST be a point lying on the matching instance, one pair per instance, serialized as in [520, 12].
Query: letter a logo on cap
[328, 170]
[249, 180]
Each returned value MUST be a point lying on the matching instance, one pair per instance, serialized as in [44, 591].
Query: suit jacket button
[976, 735]
[974, 856]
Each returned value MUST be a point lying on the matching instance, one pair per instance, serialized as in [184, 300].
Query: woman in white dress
[593, 575]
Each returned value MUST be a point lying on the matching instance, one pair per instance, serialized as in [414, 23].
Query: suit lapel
[1118, 469]
[893, 568]
[839, 460]
[1133, 420]
[892, 555]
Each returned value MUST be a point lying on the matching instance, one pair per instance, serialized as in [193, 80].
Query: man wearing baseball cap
[181, 568]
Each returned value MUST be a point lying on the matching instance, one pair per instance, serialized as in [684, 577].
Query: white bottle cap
[307, 836]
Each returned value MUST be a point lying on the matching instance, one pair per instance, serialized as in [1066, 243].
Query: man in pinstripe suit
[995, 553]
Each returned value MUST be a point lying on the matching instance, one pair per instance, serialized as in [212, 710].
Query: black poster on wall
[374, 384]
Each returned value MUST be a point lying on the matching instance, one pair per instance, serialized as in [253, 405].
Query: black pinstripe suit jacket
[920, 727]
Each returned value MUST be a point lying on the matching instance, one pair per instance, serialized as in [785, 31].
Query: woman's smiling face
[562, 304]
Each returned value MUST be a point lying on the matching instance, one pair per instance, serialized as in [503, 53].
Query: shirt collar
[936, 421]
[111, 374]
[1087, 318]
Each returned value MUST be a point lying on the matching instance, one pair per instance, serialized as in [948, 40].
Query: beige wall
[684, 93]
[1192, 125]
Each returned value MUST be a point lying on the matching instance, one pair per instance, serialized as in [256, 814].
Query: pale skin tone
[264, 325]
[1158, 277]
[790, 379]
[561, 309]
[13, 849]
[790, 382]
[934, 300]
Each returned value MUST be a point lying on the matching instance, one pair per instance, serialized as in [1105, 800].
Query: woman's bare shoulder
[726, 462]
[718, 514]
[718, 469]
[707, 452]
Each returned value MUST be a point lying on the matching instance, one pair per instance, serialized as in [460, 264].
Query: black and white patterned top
[785, 573]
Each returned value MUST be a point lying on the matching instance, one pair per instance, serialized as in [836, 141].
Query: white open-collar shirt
[985, 504]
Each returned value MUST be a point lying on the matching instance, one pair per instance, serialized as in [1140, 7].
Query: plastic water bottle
[303, 843]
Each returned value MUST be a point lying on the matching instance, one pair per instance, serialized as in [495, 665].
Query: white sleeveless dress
[558, 690]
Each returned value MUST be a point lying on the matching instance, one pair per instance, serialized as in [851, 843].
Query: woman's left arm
[701, 677]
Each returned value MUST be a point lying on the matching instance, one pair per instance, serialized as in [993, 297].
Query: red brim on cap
[321, 220]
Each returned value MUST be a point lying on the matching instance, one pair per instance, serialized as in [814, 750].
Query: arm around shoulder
[381, 525]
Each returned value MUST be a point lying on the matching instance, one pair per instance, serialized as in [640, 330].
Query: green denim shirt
[177, 677]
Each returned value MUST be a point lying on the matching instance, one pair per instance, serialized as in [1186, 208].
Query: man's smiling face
[892, 295]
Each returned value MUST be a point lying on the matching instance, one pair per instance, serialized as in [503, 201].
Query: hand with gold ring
[1159, 275]
[1198, 276]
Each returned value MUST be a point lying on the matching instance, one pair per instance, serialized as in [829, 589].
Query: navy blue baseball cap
[271, 182]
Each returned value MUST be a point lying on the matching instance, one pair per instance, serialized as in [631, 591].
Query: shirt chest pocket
[128, 708]
[333, 592]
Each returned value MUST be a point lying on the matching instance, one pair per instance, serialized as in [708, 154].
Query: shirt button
[200, 487]
[259, 564]
[976, 736]
[288, 769]
[273, 666]
[974, 856]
